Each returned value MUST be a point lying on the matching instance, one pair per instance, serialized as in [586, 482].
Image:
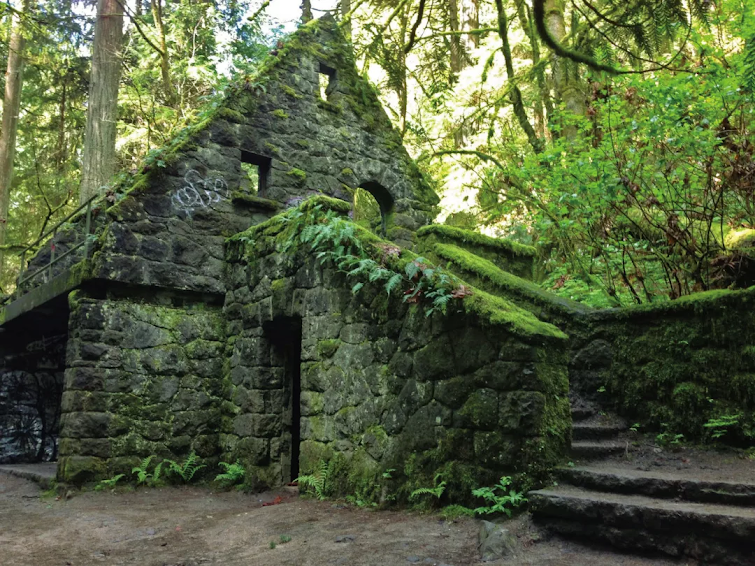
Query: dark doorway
[32, 365]
[284, 334]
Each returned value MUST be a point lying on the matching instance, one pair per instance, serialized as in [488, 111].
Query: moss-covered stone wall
[142, 378]
[384, 388]
[675, 366]
[506, 255]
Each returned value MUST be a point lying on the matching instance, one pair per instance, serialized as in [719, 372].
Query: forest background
[615, 137]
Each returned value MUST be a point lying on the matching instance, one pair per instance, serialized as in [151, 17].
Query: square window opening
[327, 80]
[255, 171]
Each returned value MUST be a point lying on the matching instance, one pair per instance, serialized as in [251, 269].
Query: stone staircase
[679, 512]
[595, 434]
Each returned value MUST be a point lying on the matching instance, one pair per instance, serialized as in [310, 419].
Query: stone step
[593, 431]
[591, 449]
[660, 485]
[581, 413]
[711, 533]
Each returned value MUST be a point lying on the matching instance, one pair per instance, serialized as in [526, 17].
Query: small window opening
[327, 81]
[373, 204]
[255, 171]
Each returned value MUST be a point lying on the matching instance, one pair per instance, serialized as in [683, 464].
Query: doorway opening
[285, 335]
[32, 366]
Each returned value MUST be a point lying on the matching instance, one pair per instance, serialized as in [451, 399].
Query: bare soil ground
[195, 526]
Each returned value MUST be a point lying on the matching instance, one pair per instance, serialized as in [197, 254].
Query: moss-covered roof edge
[475, 238]
[490, 309]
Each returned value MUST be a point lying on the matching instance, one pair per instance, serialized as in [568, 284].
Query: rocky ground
[195, 526]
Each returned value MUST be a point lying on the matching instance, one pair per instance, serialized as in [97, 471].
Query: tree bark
[565, 83]
[457, 54]
[157, 15]
[14, 77]
[470, 10]
[345, 9]
[306, 11]
[543, 104]
[98, 160]
[516, 94]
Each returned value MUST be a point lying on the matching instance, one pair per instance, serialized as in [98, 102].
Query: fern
[503, 502]
[187, 470]
[141, 471]
[234, 473]
[109, 484]
[316, 481]
[435, 491]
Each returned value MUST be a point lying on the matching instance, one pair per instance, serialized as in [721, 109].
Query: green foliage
[144, 476]
[453, 512]
[316, 481]
[284, 539]
[728, 424]
[499, 498]
[185, 470]
[439, 486]
[109, 483]
[340, 242]
[233, 474]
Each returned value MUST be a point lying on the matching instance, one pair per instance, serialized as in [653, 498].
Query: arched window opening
[373, 204]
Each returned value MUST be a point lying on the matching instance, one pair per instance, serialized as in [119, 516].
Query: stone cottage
[194, 320]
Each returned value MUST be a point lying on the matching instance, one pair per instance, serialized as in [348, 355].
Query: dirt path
[196, 527]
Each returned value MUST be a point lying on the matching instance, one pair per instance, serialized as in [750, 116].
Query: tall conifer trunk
[98, 161]
[14, 77]
[565, 83]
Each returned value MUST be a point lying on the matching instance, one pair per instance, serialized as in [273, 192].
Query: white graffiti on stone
[199, 192]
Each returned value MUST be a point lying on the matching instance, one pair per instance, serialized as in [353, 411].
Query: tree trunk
[565, 83]
[457, 54]
[543, 104]
[470, 10]
[157, 15]
[516, 94]
[98, 160]
[306, 11]
[345, 9]
[14, 77]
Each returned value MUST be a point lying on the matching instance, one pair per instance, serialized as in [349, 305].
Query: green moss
[231, 115]
[304, 144]
[497, 311]
[280, 113]
[328, 348]
[290, 92]
[297, 174]
[466, 236]
[251, 200]
[499, 281]
[272, 149]
[346, 172]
